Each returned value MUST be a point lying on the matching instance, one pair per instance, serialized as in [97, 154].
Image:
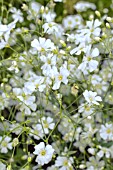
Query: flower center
[43, 152]
[65, 163]
[91, 99]
[69, 22]
[108, 131]
[49, 61]
[89, 58]
[4, 144]
[37, 85]
[45, 124]
[50, 25]
[92, 30]
[87, 108]
[60, 77]
[42, 50]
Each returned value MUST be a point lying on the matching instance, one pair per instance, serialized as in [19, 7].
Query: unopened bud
[29, 159]
[107, 25]
[9, 167]
[68, 48]
[97, 39]
[42, 9]
[24, 7]
[46, 9]
[63, 43]
[91, 17]
[104, 35]
[24, 157]
[98, 13]
[109, 19]
[82, 166]
[2, 118]
[15, 142]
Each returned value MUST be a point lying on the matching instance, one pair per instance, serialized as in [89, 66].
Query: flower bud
[97, 39]
[9, 167]
[63, 43]
[42, 9]
[98, 13]
[15, 142]
[107, 25]
[109, 19]
[29, 159]
[24, 7]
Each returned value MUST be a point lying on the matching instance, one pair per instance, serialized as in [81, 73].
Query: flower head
[44, 153]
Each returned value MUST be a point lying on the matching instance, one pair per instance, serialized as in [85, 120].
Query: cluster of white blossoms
[56, 86]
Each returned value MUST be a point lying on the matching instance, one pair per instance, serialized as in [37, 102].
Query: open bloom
[42, 44]
[106, 131]
[44, 153]
[61, 77]
[88, 62]
[17, 14]
[50, 27]
[64, 163]
[91, 31]
[47, 124]
[91, 97]
[2, 166]
[5, 144]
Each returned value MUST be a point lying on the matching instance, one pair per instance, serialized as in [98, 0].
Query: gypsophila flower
[83, 6]
[64, 163]
[106, 131]
[60, 77]
[47, 123]
[91, 97]
[42, 44]
[88, 62]
[44, 153]
[2, 166]
[5, 144]
[17, 14]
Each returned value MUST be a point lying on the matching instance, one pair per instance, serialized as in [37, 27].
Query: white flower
[17, 14]
[57, 0]
[5, 33]
[2, 166]
[95, 163]
[35, 82]
[64, 163]
[91, 31]
[49, 61]
[16, 128]
[4, 101]
[42, 44]
[26, 101]
[79, 49]
[104, 151]
[35, 8]
[83, 6]
[49, 16]
[50, 28]
[44, 153]
[88, 62]
[37, 131]
[60, 77]
[85, 109]
[91, 97]
[5, 144]
[72, 21]
[14, 67]
[47, 123]
[106, 131]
